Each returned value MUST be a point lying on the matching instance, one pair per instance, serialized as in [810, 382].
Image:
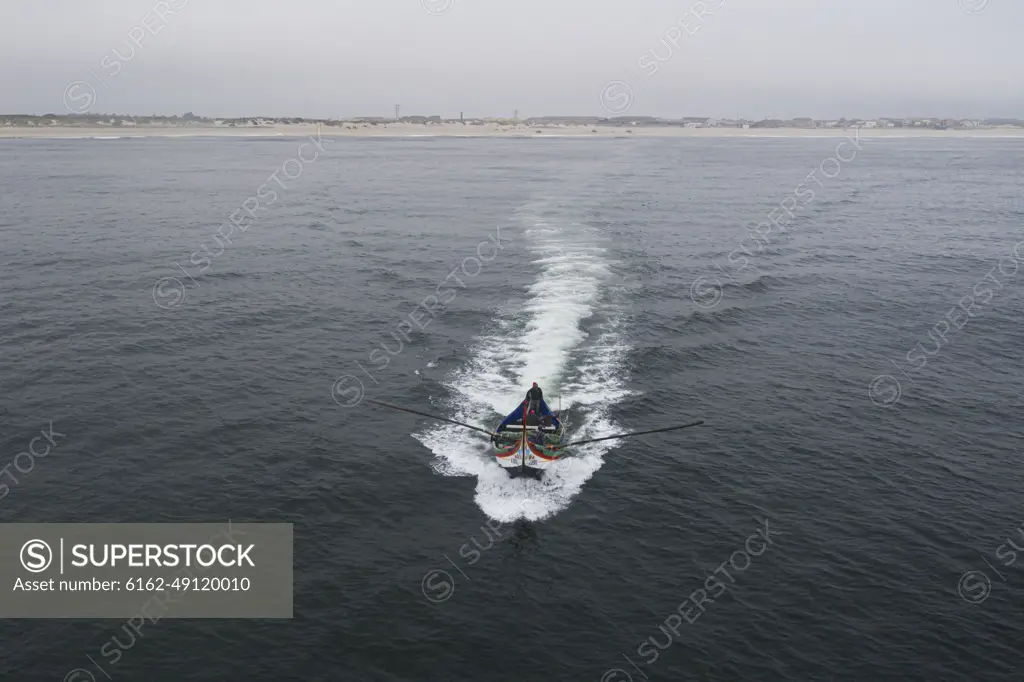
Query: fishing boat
[531, 439]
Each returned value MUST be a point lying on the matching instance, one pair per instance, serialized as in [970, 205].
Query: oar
[430, 416]
[635, 433]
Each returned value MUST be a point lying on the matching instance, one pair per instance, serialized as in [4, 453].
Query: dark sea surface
[853, 417]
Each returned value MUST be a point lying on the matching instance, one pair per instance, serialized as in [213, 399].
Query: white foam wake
[541, 340]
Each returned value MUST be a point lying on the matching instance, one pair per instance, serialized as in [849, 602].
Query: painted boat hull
[531, 461]
[525, 447]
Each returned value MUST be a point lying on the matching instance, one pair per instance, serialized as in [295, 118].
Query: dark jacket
[535, 393]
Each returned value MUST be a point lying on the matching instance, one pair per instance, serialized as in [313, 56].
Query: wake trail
[541, 340]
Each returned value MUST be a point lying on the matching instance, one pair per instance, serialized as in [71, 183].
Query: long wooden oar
[635, 433]
[430, 416]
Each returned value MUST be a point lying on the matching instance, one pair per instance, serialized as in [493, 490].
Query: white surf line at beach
[539, 343]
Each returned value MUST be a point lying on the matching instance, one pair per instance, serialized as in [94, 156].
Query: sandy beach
[482, 130]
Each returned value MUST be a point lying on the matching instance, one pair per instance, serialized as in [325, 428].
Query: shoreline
[490, 131]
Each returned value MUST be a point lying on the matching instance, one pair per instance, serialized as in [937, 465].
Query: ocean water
[844, 514]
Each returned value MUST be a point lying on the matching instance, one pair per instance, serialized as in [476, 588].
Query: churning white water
[542, 340]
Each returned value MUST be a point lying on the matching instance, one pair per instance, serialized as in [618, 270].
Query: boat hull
[529, 461]
[526, 444]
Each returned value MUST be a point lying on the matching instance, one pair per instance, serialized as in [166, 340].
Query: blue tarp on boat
[517, 416]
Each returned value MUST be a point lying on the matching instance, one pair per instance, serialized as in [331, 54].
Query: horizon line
[591, 117]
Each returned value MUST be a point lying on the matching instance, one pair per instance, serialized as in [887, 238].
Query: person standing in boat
[535, 394]
[533, 401]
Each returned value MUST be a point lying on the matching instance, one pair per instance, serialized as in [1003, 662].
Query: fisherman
[533, 399]
[535, 393]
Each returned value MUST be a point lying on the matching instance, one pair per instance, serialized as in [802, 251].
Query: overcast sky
[331, 58]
